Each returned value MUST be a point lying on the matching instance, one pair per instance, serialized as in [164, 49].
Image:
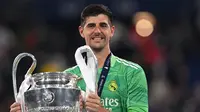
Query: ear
[80, 28]
[112, 30]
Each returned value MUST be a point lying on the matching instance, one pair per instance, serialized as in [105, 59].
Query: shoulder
[132, 71]
[127, 64]
[72, 69]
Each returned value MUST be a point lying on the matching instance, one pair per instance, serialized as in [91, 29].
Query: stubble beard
[97, 49]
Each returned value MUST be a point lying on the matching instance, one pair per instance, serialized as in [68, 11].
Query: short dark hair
[95, 10]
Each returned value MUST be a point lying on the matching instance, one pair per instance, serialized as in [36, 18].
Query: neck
[101, 56]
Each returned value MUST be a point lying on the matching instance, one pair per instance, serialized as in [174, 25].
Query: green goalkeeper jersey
[125, 89]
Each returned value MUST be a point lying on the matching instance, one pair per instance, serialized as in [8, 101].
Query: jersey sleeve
[76, 71]
[137, 91]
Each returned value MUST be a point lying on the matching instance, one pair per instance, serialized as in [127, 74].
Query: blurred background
[163, 36]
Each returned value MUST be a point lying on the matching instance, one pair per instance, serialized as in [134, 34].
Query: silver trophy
[46, 91]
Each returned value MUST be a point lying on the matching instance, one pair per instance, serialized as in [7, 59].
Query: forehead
[97, 19]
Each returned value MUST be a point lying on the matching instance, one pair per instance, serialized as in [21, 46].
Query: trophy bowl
[52, 92]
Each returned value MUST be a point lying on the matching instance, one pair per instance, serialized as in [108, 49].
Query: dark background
[48, 29]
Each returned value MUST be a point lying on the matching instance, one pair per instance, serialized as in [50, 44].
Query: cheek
[86, 36]
[86, 33]
[108, 34]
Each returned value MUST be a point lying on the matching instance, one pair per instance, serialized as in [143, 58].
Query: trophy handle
[14, 69]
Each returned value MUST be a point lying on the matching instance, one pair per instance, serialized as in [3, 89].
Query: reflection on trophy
[46, 91]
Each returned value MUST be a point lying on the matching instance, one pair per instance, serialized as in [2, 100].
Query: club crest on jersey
[113, 86]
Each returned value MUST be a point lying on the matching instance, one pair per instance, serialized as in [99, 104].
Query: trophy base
[55, 109]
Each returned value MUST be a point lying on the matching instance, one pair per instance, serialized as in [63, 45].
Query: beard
[97, 49]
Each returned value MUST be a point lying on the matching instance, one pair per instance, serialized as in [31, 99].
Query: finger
[81, 102]
[92, 105]
[16, 109]
[94, 96]
[81, 105]
[95, 101]
[80, 97]
[92, 109]
[81, 108]
[14, 105]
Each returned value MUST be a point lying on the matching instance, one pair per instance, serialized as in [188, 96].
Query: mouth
[97, 38]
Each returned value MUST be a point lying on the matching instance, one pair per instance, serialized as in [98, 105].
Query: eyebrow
[104, 23]
[91, 24]
[99, 23]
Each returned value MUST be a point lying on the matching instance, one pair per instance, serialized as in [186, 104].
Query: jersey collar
[113, 60]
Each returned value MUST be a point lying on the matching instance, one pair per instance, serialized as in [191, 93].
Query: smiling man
[122, 85]
[125, 86]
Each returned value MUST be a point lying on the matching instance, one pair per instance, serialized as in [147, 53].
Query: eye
[103, 25]
[91, 25]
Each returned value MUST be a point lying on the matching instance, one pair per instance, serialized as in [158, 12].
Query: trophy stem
[14, 70]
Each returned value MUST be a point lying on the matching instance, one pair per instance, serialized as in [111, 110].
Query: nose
[97, 30]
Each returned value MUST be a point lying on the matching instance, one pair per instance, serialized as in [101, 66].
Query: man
[125, 87]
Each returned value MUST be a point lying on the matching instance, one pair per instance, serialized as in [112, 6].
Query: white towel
[88, 69]
[22, 89]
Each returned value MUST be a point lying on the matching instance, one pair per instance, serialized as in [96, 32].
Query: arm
[137, 91]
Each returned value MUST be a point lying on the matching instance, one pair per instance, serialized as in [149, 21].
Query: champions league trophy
[46, 91]
[55, 91]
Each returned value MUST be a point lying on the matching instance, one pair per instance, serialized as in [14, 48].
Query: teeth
[97, 38]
